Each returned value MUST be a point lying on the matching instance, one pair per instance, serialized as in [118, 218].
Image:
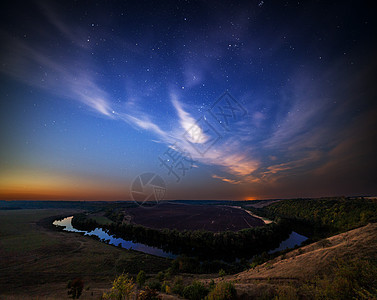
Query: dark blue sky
[94, 94]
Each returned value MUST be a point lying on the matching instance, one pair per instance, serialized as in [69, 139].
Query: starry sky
[221, 99]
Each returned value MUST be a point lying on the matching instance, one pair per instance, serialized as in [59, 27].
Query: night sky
[222, 99]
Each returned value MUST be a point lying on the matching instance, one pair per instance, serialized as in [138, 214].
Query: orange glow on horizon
[250, 198]
[42, 185]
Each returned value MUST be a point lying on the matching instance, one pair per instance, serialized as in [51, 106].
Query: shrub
[140, 278]
[122, 288]
[148, 294]
[169, 272]
[222, 273]
[286, 293]
[195, 291]
[160, 276]
[154, 285]
[351, 280]
[178, 286]
[165, 288]
[223, 291]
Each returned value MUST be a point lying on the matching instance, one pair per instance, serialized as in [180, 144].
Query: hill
[298, 269]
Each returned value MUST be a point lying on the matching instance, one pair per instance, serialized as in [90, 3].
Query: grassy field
[213, 218]
[36, 261]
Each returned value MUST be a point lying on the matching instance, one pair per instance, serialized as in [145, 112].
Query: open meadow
[192, 217]
[38, 262]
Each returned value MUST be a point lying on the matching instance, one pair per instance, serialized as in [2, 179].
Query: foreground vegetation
[355, 279]
[124, 287]
[40, 262]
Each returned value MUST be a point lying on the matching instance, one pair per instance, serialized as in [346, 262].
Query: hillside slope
[308, 262]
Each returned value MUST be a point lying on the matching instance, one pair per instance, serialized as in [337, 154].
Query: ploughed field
[192, 217]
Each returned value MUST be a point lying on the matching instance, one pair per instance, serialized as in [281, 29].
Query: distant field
[193, 217]
[36, 261]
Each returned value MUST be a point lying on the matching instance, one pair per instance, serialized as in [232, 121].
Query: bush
[148, 294]
[169, 273]
[178, 286]
[140, 278]
[165, 288]
[351, 280]
[223, 291]
[222, 273]
[122, 288]
[195, 291]
[160, 276]
[154, 285]
[286, 293]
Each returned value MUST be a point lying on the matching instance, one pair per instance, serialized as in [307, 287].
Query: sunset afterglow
[222, 100]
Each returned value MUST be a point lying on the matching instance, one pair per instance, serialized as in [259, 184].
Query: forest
[322, 217]
[227, 245]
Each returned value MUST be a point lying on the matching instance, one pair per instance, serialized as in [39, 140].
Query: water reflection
[293, 240]
[104, 236]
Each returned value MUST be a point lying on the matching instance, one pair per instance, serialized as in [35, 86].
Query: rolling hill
[298, 268]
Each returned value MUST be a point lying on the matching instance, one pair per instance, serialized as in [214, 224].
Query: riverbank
[266, 221]
[38, 262]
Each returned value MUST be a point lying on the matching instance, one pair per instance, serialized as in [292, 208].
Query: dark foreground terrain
[193, 217]
[37, 261]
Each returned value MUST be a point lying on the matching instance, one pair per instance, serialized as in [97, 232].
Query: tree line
[321, 217]
[227, 245]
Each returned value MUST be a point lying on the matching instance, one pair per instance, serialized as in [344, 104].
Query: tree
[140, 278]
[223, 291]
[122, 288]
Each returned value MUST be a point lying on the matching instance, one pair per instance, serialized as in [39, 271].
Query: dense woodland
[318, 218]
[202, 244]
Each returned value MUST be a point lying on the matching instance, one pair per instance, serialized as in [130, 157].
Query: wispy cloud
[194, 132]
[297, 137]
[75, 78]
[36, 67]
[144, 123]
[231, 181]
[76, 81]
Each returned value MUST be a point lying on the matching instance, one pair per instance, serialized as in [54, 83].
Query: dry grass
[306, 263]
[36, 261]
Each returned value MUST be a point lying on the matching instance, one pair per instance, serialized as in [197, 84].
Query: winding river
[110, 239]
[293, 240]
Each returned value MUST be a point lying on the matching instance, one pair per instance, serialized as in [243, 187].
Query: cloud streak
[304, 129]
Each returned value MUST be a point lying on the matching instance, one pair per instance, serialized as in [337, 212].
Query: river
[110, 239]
[293, 240]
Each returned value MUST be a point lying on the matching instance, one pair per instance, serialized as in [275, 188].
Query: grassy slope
[307, 262]
[37, 261]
